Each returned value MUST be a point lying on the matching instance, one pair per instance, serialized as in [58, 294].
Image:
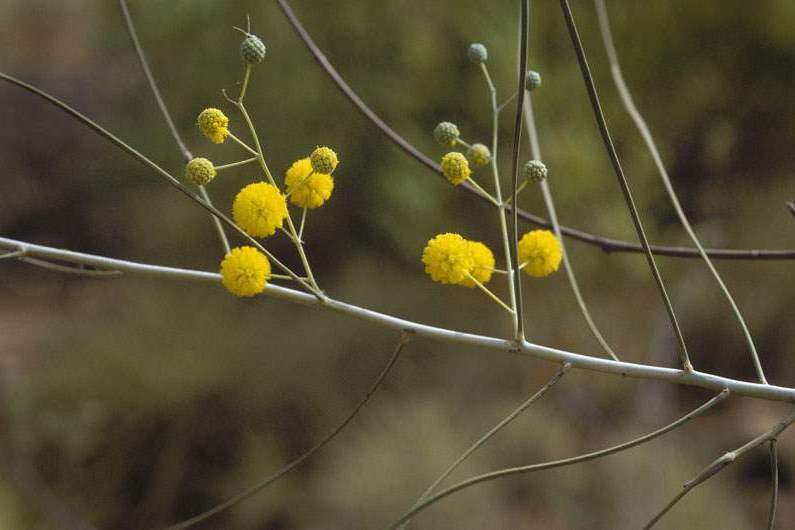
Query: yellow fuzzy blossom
[245, 271]
[455, 167]
[306, 188]
[199, 171]
[542, 252]
[213, 124]
[483, 264]
[324, 160]
[448, 258]
[259, 209]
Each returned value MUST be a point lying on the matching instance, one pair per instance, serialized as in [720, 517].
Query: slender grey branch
[585, 362]
[405, 336]
[524, 24]
[558, 463]
[186, 154]
[791, 206]
[549, 202]
[607, 244]
[717, 465]
[494, 430]
[79, 270]
[645, 132]
[771, 517]
[630, 201]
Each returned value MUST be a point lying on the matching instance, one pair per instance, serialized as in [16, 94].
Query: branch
[648, 139]
[607, 244]
[717, 465]
[404, 339]
[585, 362]
[559, 463]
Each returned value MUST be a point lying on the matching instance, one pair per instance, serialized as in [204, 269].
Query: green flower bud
[477, 53]
[532, 80]
[252, 49]
[479, 154]
[446, 133]
[534, 171]
[199, 171]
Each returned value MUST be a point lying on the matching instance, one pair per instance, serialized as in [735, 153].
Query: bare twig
[558, 463]
[643, 128]
[717, 465]
[771, 517]
[405, 336]
[607, 244]
[611, 151]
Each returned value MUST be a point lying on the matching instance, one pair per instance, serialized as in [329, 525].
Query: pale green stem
[498, 196]
[80, 271]
[283, 277]
[236, 164]
[522, 186]
[546, 191]
[291, 226]
[303, 224]
[643, 128]
[717, 465]
[488, 293]
[483, 192]
[462, 142]
[504, 103]
[771, 516]
[244, 145]
[216, 222]
[12, 254]
[486, 477]
[243, 89]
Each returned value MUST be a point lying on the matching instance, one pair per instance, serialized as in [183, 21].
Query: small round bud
[477, 53]
[534, 171]
[323, 160]
[455, 168]
[479, 154]
[214, 124]
[446, 133]
[199, 171]
[532, 80]
[252, 49]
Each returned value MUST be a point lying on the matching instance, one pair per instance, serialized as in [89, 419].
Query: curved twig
[558, 463]
[607, 244]
[404, 339]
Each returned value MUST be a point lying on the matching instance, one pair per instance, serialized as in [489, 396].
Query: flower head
[455, 167]
[541, 251]
[448, 258]
[259, 209]
[446, 133]
[245, 271]
[479, 154]
[213, 124]
[306, 188]
[483, 264]
[324, 160]
[535, 171]
[252, 49]
[477, 53]
[199, 171]
[532, 80]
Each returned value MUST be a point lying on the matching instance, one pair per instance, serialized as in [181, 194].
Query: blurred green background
[133, 402]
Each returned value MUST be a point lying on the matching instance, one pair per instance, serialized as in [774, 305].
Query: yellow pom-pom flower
[455, 167]
[483, 264]
[542, 252]
[307, 192]
[259, 209]
[324, 160]
[245, 271]
[213, 124]
[199, 171]
[448, 258]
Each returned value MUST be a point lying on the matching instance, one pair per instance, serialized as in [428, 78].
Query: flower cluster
[540, 253]
[451, 259]
[260, 208]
